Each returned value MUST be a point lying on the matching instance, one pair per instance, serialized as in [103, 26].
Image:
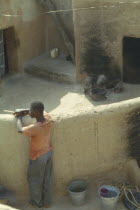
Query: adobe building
[101, 36]
[93, 37]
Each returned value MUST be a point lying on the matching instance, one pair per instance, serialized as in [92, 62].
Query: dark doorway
[2, 55]
[131, 60]
[4, 67]
[11, 45]
[8, 51]
[6, 57]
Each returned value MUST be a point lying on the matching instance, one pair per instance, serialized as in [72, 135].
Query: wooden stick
[8, 111]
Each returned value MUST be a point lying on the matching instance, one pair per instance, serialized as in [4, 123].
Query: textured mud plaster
[53, 36]
[29, 27]
[14, 156]
[66, 17]
[90, 142]
[85, 144]
[99, 34]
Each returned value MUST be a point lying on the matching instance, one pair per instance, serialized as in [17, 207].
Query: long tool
[9, 111]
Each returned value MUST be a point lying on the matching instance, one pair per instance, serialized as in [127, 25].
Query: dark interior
[11, 44]
[131, 60]
[6, 58]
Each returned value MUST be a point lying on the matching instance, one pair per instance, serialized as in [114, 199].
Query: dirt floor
[65, 204]
[18, 91]
[93, 202]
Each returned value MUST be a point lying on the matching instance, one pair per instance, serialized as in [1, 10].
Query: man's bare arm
[19, 124]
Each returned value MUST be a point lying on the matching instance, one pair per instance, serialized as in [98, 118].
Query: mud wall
[99, 32]
[53, 36]
[84, 145]
[26, 39]
[66, 16]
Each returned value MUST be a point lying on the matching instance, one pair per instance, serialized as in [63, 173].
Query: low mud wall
[84, 144]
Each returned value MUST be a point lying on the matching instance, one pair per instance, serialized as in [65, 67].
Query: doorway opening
[8, 51]
[131, 60]
[3, 56]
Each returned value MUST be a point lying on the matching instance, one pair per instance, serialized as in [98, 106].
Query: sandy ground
[65, 203]
[18, 91]
[93, 203]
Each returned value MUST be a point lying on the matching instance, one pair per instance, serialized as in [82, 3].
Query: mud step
[58, 69]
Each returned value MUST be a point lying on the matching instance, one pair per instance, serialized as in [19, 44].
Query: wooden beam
[49, 5]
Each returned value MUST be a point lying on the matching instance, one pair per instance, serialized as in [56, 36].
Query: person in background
[40, 165]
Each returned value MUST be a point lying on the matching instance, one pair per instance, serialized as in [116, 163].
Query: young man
[40, 165]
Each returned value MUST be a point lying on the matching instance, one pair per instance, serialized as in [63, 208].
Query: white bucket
[54, 53]
[109, 203]
[77, 191]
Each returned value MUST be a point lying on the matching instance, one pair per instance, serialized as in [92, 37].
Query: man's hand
[21, 112]
[19, 123]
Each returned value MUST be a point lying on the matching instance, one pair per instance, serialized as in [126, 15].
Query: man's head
[36, 109]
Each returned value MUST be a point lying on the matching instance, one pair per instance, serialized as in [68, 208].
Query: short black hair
[37, 106]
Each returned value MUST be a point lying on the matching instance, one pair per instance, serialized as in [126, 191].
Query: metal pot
[98, 94]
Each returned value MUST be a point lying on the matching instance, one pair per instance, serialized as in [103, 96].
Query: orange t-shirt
[39, 134]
